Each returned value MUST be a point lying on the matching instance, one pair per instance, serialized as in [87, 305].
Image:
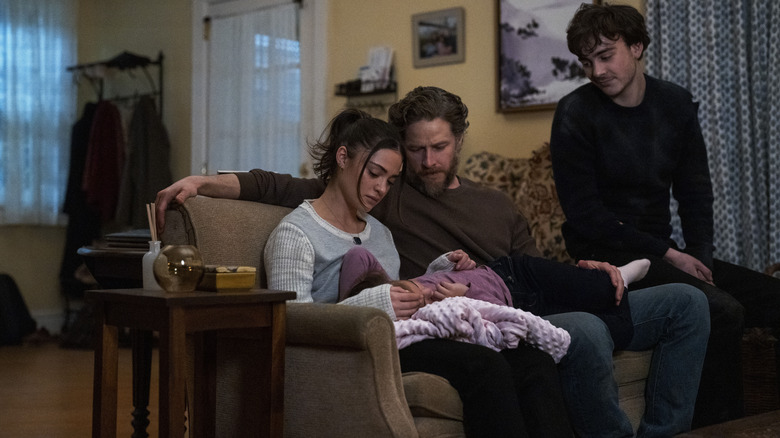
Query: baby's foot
[634, 271]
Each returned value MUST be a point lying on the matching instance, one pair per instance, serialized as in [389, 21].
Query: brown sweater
[481, 221]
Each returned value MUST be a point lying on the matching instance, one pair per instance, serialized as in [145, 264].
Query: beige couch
[342, 374]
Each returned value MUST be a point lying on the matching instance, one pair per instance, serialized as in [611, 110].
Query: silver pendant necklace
[344, 228]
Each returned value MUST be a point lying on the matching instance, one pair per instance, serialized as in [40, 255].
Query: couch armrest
[226, 231]
[345, 358]
[337, 326]
[342, 376]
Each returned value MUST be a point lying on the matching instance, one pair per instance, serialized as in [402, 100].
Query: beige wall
[108, 27]
[32, 256]
[354, 29]
[146, 27]
[357, 25]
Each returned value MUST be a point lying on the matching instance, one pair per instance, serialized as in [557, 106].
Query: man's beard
[434, 189]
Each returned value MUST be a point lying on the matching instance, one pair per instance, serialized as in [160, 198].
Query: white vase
[150, 283]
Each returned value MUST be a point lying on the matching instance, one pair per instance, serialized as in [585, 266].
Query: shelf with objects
[363, 95]
[375, 87]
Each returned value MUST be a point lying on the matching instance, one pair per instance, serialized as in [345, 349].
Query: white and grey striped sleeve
[289, 261]
[377, 296]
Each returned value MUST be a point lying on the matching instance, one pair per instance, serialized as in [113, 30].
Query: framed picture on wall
[438, 38]
[535, 67]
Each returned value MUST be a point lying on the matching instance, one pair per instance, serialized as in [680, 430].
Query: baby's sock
[634, 271]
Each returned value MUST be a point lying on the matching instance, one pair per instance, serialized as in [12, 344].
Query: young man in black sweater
[619, 146]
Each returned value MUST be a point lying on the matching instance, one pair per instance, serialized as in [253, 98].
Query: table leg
[104, 398]
[142, 375]
[203, 409]
[172, 374]
[276, 371]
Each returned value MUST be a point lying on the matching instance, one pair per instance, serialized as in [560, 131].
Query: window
[37, 108]
[300, 50]
[254, 91]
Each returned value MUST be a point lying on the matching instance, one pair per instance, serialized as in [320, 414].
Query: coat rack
[94, 72]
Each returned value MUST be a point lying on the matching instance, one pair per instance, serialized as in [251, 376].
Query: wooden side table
[174, 316]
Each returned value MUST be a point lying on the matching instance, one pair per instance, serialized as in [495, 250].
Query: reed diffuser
[149, 281]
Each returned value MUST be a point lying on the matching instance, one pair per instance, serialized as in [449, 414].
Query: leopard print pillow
[529, 182]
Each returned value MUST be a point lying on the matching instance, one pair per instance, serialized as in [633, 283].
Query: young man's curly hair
[593, 22]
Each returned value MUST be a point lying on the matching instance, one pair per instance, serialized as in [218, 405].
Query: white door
[248, 86]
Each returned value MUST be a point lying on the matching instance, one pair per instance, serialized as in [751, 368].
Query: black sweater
[614, 167]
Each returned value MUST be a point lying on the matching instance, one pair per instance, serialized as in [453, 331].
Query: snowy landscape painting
[536, 68]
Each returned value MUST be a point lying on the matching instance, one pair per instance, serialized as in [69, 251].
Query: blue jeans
[742, 298]
[674, 320]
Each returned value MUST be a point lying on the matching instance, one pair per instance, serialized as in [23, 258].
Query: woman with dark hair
[359, 159]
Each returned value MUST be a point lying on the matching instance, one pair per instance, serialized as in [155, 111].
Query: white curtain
[37, 108]
[727, 53]
[254, 108]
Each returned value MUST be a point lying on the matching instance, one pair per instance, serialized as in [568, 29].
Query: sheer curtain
[254, 96]
[727, 53]
[37, 108]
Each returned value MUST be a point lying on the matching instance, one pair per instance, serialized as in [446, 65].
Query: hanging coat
[105, 161]
[83, 222]
[147, 170]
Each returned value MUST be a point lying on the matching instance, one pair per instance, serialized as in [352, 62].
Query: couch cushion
[537, 199]
[529, 182]
[497, 172]
[226, 231]
[632, 366]
[429, 395]
[631, 371]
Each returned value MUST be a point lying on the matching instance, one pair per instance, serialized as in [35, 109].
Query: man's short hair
[593, 22]
[428, 103]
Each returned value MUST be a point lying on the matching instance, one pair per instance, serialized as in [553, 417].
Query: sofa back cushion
[226, 231]
[529, 182]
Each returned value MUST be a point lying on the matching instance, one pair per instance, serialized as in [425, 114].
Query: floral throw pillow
[529, 182]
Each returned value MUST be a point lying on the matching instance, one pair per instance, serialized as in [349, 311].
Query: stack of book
[131, 239]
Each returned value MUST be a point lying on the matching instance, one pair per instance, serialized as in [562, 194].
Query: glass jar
[178, 268]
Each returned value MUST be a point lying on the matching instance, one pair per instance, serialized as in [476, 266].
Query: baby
[533, 284]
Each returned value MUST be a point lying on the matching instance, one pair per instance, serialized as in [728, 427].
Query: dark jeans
[514, 393]
[742, 298]
[544, 287]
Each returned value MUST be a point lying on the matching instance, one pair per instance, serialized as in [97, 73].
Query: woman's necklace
[344, 227]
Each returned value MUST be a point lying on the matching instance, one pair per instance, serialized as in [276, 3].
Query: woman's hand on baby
[462, 260]
[614, 275]
[446, 290]
[405, 302]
